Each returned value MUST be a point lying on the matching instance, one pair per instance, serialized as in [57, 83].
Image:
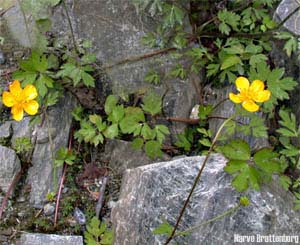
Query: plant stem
[197, 179]
[61, 184]
[139, 57]
[59, 192]
[9, 191]
[229, 211]
[71, 27]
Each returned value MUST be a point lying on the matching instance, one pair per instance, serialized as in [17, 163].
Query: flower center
[246, 95]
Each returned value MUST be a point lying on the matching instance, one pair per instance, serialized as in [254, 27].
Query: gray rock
[159, 190]
[2, 58]
[115, 30]
[5, 129]
[122, 156]
[49, 209]
[16, 26]
[280, 59]
[9, 167]
[79, 216]
[21, 129]
[58, 122]
[49, 239]
[285, 8]
[226, 109]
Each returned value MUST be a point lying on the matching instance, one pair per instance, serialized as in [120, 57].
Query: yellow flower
[21, 99]
[249, 94]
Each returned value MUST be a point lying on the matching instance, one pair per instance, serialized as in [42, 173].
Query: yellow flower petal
[235, 98]
[30, 92]
[31, 107]
[250, 106]
[242, 83]
[262, 96]
[15, 89]
[257, 86]
[17, 112]
[8, 99]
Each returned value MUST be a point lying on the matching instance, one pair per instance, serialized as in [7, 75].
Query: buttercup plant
[248, 94]
[21, 100]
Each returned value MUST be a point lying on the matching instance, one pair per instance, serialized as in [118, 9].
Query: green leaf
[63, 155]
[135, 113]
[161, 131]
[128, 125]
[237, 150]
[147, 132]
[137, 143]
[234, 166]
[152, 103]
[212, 69]
[107, 238]
[240, 182]
[205, 111]
[205, 142]
[149, 40]
[173, 15]
[183, 142]
[112, 131]
[88, 80]
[257, 59]
[288, 121]
[117, 114]
[285, 182]
[110, 103]
[178, 71]
[41, 86]
[52, 98]
[163, 229]
[152, 77]
[28, 77]
[153, 149]
[230, 61]
[267, 161]
[229, 20]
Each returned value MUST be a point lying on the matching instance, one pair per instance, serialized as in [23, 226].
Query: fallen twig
[9, 191]
[61, 184]
[101, 195]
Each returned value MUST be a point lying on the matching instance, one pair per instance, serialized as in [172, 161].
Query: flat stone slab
[158, 190]
[49, 239]
[283, 10]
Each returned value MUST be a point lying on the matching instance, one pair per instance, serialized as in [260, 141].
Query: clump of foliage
[120, 120]
[97, 233]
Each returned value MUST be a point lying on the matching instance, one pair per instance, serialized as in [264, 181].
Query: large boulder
[158, 190]
[116, 30]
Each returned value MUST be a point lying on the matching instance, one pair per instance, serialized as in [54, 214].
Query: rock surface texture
[151, 192]
[57, 125]
[122, 156]
[9, 167]
[49, 239]
[116, 31]
[283, 10]
[280, 59]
